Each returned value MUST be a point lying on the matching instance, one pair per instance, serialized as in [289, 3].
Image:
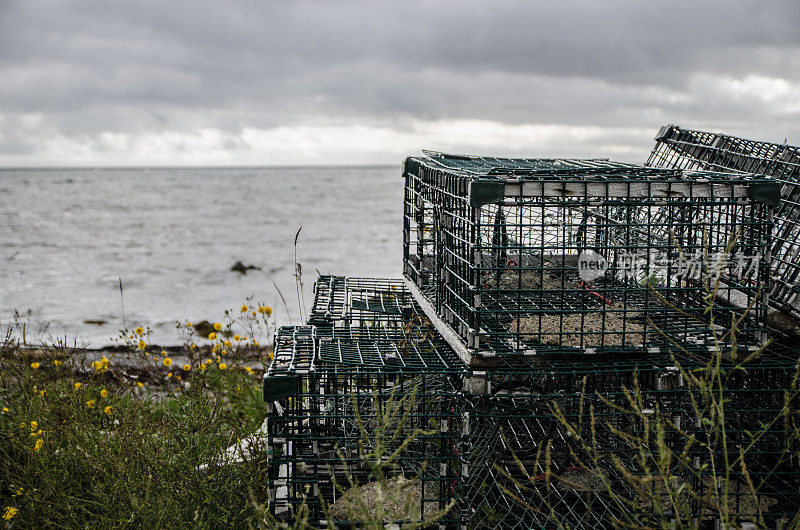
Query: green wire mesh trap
[676, 147]
[557, 256]
[330, 380]
[523, 467]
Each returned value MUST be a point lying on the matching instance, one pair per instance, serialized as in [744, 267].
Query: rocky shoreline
[125, 363]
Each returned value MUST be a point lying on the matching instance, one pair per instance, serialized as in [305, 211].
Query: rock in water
[203, 328]
[241, 268]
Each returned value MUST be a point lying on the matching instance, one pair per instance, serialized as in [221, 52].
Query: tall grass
[104, 445]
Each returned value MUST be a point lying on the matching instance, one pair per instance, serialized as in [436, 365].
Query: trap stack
[367, 368]
[546, 350]
[561, 256]
[676, 147]
[530, 442]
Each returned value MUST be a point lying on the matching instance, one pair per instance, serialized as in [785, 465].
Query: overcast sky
[149, 82]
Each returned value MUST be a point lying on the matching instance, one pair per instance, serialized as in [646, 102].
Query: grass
[99, 447]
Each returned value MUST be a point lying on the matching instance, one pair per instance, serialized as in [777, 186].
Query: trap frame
[676, 147]
[493, 251]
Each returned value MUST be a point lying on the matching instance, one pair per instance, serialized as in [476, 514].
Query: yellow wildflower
[227, 344]
[90, 403]
[38, 445]
[163, 353]
[42, 392]
[208, 361]
[244, 338]
[107, 410]
[212, 336]
[139, 331]
[219, 359]
[237, 337]
[217, 326]
[167, 361]
[9, 513]
[201, 367]
[101, 365]
[35, 366]
[222, 366]
[19, 492]
[248, 370]
[244, 309]
[215, 348]
[187, 367]
[56, 362]
[255, 343]
[267, 310]
[271, 356]
[5, 410]
[169, 375]
[104, 393]
[142, 344]
[139, 384]
[34, 426]
[192, 346]
[78, 386]
[188, 324]
[224, 352]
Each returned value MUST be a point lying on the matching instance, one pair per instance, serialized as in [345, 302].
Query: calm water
[66, 236]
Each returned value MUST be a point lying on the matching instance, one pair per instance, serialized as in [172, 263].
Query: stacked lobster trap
[565, 442]
[547, 350]
[685, 148]
[541, 256]
[366, 375]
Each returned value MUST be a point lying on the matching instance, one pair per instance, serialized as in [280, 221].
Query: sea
[68, 237]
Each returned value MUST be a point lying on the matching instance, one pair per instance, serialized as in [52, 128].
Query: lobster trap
[558, 256]
[368, 390]
[685, 148]
[569, 442]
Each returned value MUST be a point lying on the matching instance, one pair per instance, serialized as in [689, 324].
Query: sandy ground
[589, 330]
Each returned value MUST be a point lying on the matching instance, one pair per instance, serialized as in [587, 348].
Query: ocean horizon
[171, 235]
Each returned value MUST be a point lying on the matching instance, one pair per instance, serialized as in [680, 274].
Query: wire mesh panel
[585, 256]
[684, 148]
[596, 444]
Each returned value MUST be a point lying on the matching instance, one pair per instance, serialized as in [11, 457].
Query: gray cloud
[75, 71]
